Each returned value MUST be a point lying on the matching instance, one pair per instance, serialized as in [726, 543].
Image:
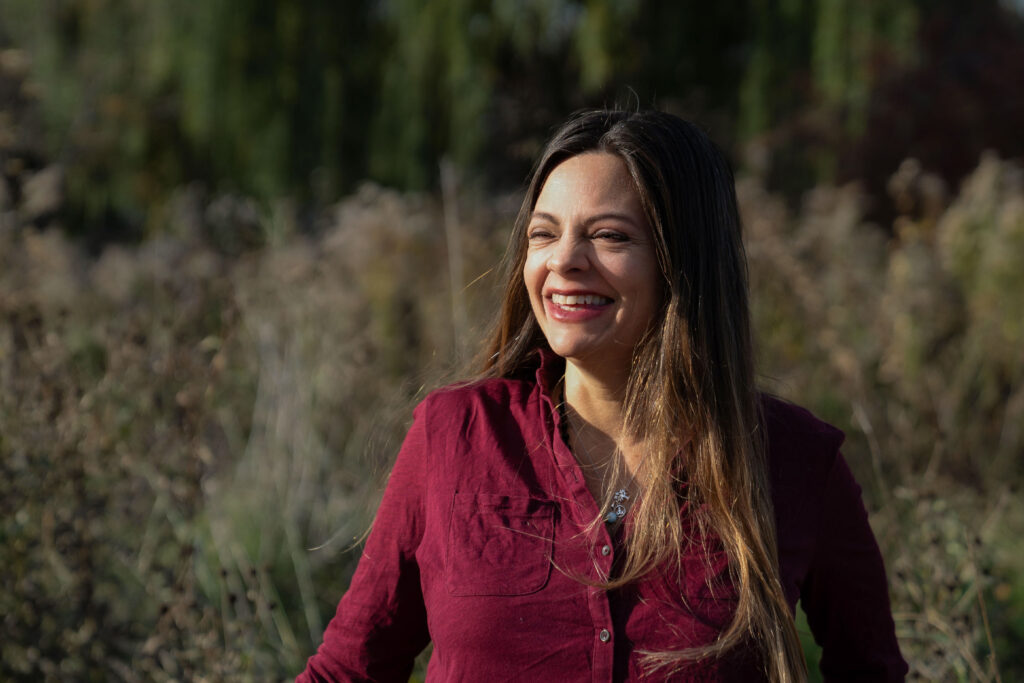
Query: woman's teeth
[579, 300]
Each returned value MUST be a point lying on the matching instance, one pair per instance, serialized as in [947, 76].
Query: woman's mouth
[576, 308]
[573, 302]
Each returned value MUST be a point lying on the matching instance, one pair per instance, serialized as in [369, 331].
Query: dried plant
[911, 340]
[194, 430]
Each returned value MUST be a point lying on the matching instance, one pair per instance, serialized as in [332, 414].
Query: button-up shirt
[485, 544]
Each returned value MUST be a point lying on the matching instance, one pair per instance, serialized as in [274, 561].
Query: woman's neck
[597, 400]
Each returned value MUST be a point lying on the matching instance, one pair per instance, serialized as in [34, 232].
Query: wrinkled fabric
[484, 544]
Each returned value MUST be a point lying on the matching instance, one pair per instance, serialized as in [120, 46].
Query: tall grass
[194, 431]
[912, 341]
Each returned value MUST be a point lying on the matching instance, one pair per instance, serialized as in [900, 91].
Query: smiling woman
[612, 498]
[591, 268]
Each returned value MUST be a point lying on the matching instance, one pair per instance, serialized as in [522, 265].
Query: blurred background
[239, 239]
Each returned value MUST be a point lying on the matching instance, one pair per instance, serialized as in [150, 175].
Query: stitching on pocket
[499, 545]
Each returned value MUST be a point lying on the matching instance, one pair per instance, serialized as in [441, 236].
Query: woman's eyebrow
[544, 217]
[608, 215]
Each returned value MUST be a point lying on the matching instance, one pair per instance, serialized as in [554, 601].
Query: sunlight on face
[591, 269]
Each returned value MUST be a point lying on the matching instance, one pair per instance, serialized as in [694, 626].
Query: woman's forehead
[589, 182]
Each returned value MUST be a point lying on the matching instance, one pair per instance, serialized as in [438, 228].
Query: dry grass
[193, 432]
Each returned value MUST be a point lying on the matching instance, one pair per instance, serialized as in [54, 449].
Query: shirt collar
[550, 370]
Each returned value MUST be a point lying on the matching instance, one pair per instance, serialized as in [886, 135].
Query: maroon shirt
[481, 546]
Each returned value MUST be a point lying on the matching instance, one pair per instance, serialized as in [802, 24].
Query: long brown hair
[691, 395]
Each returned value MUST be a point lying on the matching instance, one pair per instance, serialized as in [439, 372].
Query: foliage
[949, 105]
[912, 346]
[194, 431]
[308, 98]
[180, 428]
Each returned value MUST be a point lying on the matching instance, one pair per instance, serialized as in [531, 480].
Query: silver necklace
[619, 501]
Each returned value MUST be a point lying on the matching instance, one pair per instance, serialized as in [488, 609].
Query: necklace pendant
[618, 507]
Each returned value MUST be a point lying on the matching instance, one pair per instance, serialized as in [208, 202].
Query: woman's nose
[568, 254]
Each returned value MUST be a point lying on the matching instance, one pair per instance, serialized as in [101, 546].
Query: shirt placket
[600, 612]
[602, 550]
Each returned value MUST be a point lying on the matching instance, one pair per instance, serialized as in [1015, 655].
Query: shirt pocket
[499, 545]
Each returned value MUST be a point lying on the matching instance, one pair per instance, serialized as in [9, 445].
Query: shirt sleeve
[845, 593]
[380, 624]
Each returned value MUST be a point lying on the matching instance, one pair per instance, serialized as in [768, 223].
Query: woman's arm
[381, 625]
[845, 593]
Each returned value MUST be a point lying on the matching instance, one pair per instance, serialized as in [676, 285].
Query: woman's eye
[610, 235]
[539, 233]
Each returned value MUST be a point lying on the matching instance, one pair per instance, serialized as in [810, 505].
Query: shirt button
[605, 636]
[606, 550]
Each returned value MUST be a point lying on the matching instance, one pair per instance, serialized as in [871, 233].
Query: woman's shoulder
[802, 449]
[460, 398]
[795, 425]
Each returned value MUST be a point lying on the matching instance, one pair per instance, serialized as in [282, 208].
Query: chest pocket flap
[499, 545]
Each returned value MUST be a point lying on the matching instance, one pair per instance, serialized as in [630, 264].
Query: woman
[613, 498]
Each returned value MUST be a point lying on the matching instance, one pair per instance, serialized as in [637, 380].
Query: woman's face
[591, 269]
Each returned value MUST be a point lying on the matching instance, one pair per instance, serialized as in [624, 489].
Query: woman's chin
[571, 349]
[584, 353]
